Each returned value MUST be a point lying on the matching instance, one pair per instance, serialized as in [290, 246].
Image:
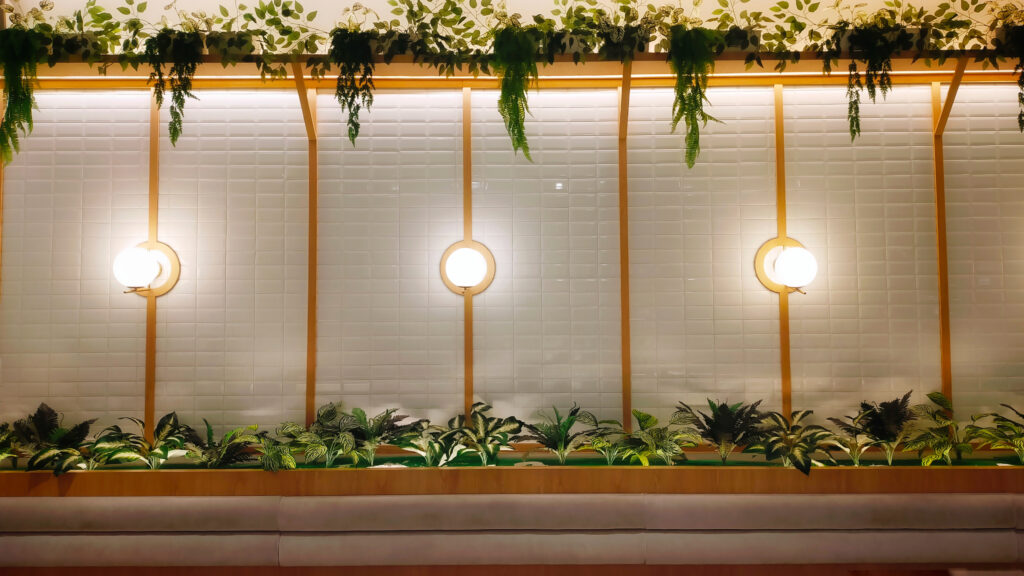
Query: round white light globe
[136, 267]
[796, 267]
[466, 267]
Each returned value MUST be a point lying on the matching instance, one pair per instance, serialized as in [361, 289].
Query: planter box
[506, 480]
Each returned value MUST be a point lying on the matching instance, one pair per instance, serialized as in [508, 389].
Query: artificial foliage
[724, 426]
[483, 37]
[20, 50]
[174, 57]
[340, 439]
[353, 51]
[691, 55]
[516, 49]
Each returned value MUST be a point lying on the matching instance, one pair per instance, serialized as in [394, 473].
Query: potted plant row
[483, 37]
[337, 438]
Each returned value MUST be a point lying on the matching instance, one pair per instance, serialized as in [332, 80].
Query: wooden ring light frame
[761, 270]
[488, 277]
[170, 275]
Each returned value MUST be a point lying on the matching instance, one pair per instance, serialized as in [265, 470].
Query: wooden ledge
[505, 480]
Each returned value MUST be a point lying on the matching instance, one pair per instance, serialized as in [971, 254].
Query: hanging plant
[20, 50]
[183, 51]
[353, 51]
[691, 55]
[872, 42]
[1009, 44]
[516, 49]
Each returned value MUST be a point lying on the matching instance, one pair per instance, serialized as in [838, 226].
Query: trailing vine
[21, 49]
[871, 42]
[691, 55]
[183, 51]
[353, 51]
[515, 62]
[481, 37]
[1009, 42]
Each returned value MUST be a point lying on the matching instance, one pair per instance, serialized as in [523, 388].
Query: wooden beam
[307, 101]
[954, 86]
[467, 234]
[510, 480]
[939, 171]
[149, 416]
[624, 310]
[785, 366]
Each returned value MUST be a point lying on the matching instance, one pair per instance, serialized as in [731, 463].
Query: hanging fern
[515, 62]
[691, 55]
[20, 50]
[1010, 44]
[183, 51]
[353, 52]
[873, 45]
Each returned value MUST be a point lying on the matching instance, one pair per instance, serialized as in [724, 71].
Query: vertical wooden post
[627, 362]
[467, 234]
[307, 101]
[780, 218]
[938, 160]
[149, 416]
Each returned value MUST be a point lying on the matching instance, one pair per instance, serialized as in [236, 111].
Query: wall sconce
[148, 269]
[467, 267]
[783, 265]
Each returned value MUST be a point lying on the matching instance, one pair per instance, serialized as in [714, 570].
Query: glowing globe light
[136, 267]
[795, 267]
[466, 267]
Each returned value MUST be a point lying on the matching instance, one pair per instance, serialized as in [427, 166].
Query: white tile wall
[868, 326]
[390, 333]
[231, 336]
[547, 330]
[985, 231]
[702, 326]
[73, 198]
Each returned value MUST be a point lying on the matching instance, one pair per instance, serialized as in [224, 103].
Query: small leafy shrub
[51, 444]
[942, 437]
[851, 437]
[887, 424]
[791, 440]
[384, 428]
[8, 449]
[555, 432]
[169, 436]
[485, 434]
[1005, 433]
[609, 441]
[725, 426]
[326, 437]
[272, 454]
[652, 441]
[232, 449]
[437, 445]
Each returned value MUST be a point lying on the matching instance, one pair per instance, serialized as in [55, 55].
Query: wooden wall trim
[467, 234]
[519, 570]
[307, 102]
[149, 412]
[508, 480]
[624, 300]
[939, 171]
[785, 366]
